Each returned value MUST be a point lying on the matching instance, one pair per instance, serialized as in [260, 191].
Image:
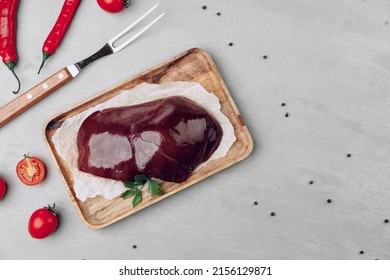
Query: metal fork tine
[109, 48]
[120, 34]
[117, 36]
[135, 36]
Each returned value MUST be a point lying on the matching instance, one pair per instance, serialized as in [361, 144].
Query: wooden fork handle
[26, 100]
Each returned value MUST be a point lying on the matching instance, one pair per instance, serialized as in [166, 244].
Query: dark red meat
[165, 139]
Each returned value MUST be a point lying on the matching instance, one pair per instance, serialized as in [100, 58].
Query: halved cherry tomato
[3, 188]
[31, 170]
[113, 6]
[43, 222]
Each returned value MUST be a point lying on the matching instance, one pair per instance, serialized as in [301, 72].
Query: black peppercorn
[329, 200]
[204, 7]
[273, 214]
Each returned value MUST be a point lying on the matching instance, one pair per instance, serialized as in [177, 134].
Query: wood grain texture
[194, 65]
[26, 100]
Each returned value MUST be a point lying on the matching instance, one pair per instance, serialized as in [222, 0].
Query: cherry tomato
[43, 222]
[31, 170]
[113, 6]
[3, 188]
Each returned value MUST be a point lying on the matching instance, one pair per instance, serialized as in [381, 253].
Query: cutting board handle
[26, 100]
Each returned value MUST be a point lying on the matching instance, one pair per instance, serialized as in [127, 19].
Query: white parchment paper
[65, 139]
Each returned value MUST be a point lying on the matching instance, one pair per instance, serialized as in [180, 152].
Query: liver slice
[165, 139]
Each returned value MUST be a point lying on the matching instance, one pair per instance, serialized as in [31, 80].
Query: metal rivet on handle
[45, 86]
[61, 76]
[29, 96]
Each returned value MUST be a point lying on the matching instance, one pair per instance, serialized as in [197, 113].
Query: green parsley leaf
[140, 179]
[129, 193]
[134, 188]
[137, 198]
[154, 188]
[130, 185]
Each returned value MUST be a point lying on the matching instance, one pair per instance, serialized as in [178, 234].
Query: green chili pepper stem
[11, 66]
[45, 56]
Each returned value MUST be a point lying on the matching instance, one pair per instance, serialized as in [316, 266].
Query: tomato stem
[52, 209]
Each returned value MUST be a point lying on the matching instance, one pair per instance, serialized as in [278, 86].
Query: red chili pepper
[59, 29]
[8, 10]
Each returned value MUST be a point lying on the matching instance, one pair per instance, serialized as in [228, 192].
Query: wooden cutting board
[194, 65]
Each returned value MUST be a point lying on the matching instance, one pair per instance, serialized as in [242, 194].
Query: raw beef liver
[165, 139]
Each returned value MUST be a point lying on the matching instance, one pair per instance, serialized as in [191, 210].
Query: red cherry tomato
[43, 222]
[3, 188]
[31, 170]
[113, 6]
